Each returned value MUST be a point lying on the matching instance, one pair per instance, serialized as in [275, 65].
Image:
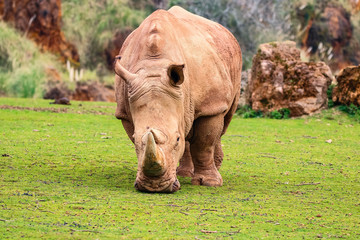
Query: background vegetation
[251, 22]
[91, 25]
[67, 172]
[22, 65]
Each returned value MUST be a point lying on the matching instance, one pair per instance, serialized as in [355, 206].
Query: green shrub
[246, 112]
[283, 113]
[253, 114]
[27, 82]
[22, 64]
[242, 109]
[352, 110]
[91, 24]
[276, 115]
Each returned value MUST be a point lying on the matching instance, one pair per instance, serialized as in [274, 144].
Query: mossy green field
[67, 172]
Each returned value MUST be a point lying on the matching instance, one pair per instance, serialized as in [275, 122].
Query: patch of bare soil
[56, 110]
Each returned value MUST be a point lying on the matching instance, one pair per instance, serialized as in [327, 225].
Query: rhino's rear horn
[153, 163]
[122, 72]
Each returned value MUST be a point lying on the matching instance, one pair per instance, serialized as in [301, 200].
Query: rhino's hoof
[184, 172]
[207, 181]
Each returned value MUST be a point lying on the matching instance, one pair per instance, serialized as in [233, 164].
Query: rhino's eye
[178, 139]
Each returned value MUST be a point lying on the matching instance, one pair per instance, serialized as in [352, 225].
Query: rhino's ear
[176, 74]
[122, 72]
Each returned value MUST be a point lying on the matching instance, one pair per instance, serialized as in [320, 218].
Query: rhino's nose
[173, 187]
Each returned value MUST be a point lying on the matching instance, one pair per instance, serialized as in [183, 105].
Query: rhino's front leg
[129, 128]
[219, 155]
[207, 133]
[186, 166]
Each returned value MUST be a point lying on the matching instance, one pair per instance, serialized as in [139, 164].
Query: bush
[246, 112]
[22, 65]
[253, 114]
[276, 115]
[243, 109]
[27, 82]
[91, 24]
[352, 110]
[283, 113]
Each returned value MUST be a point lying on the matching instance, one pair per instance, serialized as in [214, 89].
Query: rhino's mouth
[151, 185]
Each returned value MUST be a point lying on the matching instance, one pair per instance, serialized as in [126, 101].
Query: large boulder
[347, 90]
[93, 91]
[84, 91]
[279, 79]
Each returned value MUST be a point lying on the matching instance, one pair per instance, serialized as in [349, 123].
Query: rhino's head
[157, 111]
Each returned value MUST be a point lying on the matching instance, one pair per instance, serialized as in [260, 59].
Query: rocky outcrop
[1, 9]
[93, 91]
[84, 91]
[41, 22]
[328, 33]
[347, 90]
[355, 5]
[279, 79]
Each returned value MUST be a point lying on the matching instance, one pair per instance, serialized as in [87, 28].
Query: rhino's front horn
[153, 164]
[122, 72]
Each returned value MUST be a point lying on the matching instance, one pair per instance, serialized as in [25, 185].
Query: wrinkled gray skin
[177, 85]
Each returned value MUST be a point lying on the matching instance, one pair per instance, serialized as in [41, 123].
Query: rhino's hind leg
[207, 133]
[186, 166]
[219, 155]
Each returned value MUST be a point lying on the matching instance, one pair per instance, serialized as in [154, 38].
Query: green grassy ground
[70, 175]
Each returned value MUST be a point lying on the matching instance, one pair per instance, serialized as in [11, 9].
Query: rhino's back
[213, 57]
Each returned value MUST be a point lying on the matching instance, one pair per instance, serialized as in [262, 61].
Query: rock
[63, 101]
[56, 89]
[41, 22]
[355, 5]
[84, 91]
[328, 34]
[93, 91]
[1, 9]
[347, 90]
[279, 79]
